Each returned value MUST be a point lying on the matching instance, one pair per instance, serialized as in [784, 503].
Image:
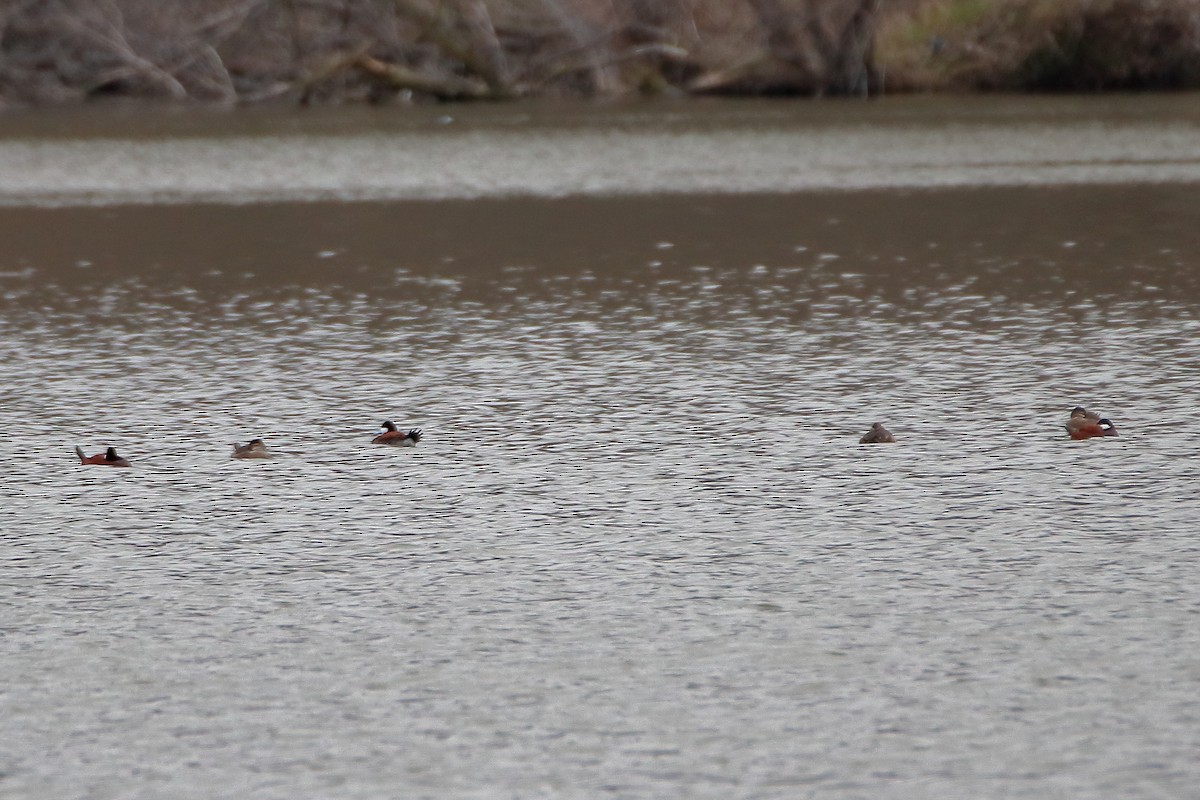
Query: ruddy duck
[108, 458]
[877, 435]
[394, 436]
[1085, 424]
[255, 448]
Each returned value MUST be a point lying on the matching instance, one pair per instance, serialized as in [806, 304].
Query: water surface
[639, 552]
[107, 155]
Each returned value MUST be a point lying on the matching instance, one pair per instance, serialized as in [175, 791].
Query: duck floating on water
[108, 458]
[394, 436]
[255, 448]
[1085, 424]
[877, 435]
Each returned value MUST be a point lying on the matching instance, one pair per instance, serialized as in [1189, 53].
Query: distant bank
[397, 51]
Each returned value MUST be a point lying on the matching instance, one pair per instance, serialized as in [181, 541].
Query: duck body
[1084, 424]
[108, 458]
[877, 435]
[255, 448]
[396, 437]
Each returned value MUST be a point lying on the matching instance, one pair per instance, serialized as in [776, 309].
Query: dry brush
[333, 50]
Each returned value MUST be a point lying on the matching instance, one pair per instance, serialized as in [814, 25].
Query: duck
[877, 435]
[394, 436]
[108, 458]
[255, 448]
[1084, 424]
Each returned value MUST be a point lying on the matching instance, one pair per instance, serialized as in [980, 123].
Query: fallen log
[443, 87]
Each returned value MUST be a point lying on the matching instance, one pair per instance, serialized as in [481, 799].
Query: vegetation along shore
[329, 51]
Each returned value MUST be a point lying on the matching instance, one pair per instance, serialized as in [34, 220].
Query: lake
[639, 552]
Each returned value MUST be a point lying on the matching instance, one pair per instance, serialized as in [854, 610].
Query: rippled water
[639, 552]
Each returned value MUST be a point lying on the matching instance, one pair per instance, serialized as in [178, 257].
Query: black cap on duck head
[1107, 426]
[387, 424]
[111, 454]
[1078, 410]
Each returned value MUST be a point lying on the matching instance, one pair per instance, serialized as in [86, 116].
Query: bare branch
[112, 39]
[443, 32]
[448, 87]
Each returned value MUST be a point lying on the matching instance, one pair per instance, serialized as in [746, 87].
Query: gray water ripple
[639, 551]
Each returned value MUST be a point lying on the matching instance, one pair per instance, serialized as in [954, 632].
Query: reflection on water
[639, 552]
[103, 156]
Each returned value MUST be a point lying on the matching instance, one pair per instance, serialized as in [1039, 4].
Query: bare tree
[328, 50]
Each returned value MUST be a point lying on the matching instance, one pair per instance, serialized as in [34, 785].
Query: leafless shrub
[332, 50]
[1043, 44]
[1124, 44]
